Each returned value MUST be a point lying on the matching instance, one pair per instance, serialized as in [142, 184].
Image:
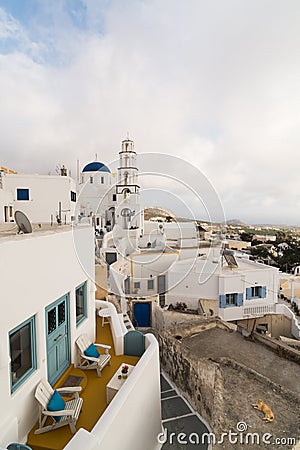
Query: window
[232, 299]
[150, 284]
[127, 285]
[73, 196]
[81, 303]
[91, 180]
[256, 292]
[114, 197]
[136, 285]
[22, 194]
[102, 180]
[22, 348]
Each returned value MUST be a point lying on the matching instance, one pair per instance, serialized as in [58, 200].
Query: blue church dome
[95, 167]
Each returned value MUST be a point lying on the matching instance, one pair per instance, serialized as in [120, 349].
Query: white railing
[132, 420]
[259, 310]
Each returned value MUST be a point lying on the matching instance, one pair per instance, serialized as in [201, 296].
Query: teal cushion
[56, 403]
[92, 351]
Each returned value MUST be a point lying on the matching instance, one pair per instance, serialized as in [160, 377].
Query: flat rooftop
[216, 343]
[251, 371]
[9, 231]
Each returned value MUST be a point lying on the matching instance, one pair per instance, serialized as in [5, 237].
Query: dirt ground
[251, 371]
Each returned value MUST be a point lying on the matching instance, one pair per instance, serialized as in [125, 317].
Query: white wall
[186, 288]
[45, 193]
[36, 270]
[95, 197]
[6, 199]
[173, 230]
[295, 328]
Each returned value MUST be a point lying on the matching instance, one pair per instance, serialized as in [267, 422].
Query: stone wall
[222, 390]
[278, 324]
[195, 379]
[169, 320]
[200, 380]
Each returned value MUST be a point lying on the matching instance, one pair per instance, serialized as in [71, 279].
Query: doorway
[57, 338]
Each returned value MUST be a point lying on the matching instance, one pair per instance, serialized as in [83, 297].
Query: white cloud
[215, 83]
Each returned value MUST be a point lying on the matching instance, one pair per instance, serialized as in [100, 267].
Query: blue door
[141, 311]
[58, 339]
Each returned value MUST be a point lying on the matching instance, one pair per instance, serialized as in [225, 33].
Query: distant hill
[153, 212]
[236, 222]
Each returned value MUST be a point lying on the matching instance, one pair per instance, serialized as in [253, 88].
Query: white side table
[105, 314]
[115, 383]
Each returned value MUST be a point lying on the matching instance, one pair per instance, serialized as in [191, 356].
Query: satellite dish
[126, 212]
[23, 223]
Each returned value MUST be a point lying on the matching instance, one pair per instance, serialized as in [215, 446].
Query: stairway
[127, 322]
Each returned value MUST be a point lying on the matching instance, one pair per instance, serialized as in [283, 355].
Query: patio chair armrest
[63, 412]
[70, 389]
[106, 347]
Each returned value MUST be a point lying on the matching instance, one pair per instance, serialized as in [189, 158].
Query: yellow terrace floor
[94, 397]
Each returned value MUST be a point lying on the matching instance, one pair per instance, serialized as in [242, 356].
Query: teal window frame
[84, 306]
[14, 385]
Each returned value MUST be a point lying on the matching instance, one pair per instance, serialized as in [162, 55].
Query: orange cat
[269, 416]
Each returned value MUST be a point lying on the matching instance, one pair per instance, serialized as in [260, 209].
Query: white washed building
[42, 280]
[43, 198]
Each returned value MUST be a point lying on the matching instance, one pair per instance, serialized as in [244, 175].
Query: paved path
[179, 417]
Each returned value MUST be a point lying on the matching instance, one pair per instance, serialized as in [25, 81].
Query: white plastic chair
[89, 362]
[68, 416]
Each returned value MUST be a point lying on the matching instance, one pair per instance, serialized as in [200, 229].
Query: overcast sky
[213, 82]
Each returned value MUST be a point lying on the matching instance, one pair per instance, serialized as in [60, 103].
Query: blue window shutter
[222, 301]
[248, 293]
[240, 300]
[263, 291]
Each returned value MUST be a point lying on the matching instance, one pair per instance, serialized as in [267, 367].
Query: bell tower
[128, 171]
[127, 188]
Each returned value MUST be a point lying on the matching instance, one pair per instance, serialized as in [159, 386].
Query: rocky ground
[250, 371]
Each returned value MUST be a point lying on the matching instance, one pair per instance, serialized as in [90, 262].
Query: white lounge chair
[90, 357]
[67, 415]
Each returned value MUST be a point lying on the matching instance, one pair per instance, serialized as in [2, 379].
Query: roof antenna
[96, 156]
